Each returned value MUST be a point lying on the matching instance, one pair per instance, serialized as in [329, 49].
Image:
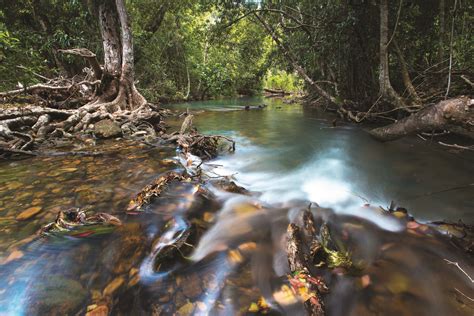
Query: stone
[28, 213]
[186, 309]
[94, 310]
[107, 129]
[55, 295]
[192, 286]
[113, 286]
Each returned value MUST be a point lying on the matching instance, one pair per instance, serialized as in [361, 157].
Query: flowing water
[288, 156]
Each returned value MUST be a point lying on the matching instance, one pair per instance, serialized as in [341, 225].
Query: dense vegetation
[180, 53]
[191, 49]
[365, 60]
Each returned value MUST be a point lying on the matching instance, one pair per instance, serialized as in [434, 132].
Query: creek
[288, 155]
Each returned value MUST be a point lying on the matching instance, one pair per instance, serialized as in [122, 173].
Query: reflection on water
[234, 250]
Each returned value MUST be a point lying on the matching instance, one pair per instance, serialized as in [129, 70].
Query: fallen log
[455, 115]
[276, 91]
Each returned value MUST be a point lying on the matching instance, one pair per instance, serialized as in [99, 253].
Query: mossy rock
[107, 129]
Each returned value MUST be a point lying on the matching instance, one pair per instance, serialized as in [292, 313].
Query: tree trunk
[118, 88]
[385, 86]
[442, 29]
[456, 115]
[406, 75]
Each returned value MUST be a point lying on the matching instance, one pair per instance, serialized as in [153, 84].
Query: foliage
[204, 49]
[39, 28]
[283, 80]
[190, 51]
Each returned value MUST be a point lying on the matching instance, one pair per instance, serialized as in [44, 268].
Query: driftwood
[275, 92]
[189, 141]
[456, 115]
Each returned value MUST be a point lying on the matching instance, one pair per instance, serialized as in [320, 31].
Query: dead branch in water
[153, 190]
[190, 141]
[300, 262]
[461, 269]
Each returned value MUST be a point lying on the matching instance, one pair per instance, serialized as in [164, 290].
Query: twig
[34, 73]
[370, 109]
[466, 79]
[441, 191]
[457, 146]
[419, 135]
[471, 299]
[436, 134]
[459, 267]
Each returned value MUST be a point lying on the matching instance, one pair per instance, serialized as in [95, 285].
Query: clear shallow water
[290, 156]
[287, 151]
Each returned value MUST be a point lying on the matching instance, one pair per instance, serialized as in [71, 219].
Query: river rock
[113, 286]
[107, 129]
[124, 254]
[94, 310]
[28, 213]
[56, 295]
[192, 286]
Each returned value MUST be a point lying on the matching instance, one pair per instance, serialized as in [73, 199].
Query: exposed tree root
[24, 129]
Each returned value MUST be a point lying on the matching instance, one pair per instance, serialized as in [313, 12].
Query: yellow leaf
[253, 308]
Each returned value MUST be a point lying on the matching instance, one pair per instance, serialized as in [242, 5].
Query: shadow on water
[235, 254]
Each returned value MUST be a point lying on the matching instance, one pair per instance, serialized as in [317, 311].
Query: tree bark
[134, 98]
[406, 76]
[385, 86]
[109, 30]
[456, 115]
[118, 91]
[442, 29]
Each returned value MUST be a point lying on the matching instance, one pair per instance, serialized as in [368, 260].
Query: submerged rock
[107, 129]
[56, 295]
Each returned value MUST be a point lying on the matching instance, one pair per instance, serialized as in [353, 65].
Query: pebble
[28, 213]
